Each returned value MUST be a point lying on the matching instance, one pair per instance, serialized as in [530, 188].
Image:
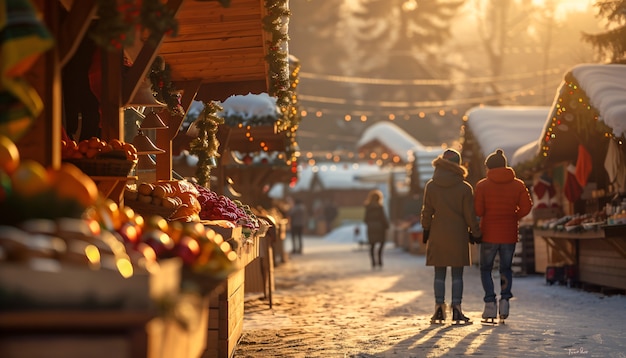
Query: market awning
[506, 127]
[589, 107]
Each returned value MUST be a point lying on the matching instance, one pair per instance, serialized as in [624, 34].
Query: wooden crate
[226, 317]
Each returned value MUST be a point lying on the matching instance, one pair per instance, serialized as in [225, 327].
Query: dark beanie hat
[496, 159]
[452, 155]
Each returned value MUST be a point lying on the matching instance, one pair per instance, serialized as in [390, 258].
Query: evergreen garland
[206, 144]
[118, 21]
[278, 59]
[161, 78]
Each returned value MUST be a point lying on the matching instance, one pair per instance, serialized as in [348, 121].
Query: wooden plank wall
[600, 264]
[226, 318]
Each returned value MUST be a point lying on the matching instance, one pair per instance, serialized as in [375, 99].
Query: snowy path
[330, 303]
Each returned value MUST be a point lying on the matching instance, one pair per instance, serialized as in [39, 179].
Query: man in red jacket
[501, 200]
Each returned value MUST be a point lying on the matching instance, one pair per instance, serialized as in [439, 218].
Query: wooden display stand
[226, 317]
[74, 334]
[226, 308]
[599, 255]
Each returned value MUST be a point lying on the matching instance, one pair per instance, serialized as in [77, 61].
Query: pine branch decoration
[206, 144]
[161, 78]
[118, 22]
[275, 23]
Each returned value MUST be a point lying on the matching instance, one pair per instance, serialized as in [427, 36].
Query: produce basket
[149, 209]
[103, 167]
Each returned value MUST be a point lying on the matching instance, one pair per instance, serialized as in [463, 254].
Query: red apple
[188, 250]
[129, 232]
[159, 241]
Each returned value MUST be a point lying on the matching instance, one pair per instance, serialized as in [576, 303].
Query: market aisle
[329, 303]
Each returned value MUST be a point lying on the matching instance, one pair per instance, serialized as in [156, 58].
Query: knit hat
[452, 155]
[496, 160]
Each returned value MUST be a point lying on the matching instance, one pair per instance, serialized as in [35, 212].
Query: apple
[129, 232]
[188, 250]
[161, 242]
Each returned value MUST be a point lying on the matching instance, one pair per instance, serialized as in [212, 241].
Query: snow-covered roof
[403, 144]
[250, 106]
[605, 85]
[525, 153]
[335, 175]
[508, 127]
[392, 136]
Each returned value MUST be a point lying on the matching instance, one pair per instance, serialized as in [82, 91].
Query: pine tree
[611, 44]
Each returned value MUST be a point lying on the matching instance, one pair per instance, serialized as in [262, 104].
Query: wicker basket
[147, 209]
[103, 167]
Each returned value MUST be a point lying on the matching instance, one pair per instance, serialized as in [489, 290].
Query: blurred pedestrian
[377, 225]
[297, 221]
[501, 201]
[330, 214]
[449, 225]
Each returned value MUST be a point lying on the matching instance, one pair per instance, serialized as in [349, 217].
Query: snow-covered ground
[329, 302]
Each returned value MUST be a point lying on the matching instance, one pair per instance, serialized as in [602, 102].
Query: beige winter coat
[448, 213]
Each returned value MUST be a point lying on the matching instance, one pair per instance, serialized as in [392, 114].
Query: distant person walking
[448, 218]
[297, 221]
[377, 225]
[330, 214]
[501, 201]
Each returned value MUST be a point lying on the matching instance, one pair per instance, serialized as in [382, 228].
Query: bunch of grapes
[219, 207]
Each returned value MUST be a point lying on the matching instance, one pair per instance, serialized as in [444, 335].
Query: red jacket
[501, 200]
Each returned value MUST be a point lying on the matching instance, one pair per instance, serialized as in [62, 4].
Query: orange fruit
[30, 178]
[70, 182]
[83, 145]
[92, 152]
[9, 155]
[116, 144]
[93, 142]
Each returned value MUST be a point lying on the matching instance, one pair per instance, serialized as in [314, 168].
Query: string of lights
[429, 82]
[362, 109]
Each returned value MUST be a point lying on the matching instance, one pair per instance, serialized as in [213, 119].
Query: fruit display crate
[226, 313]
[103, 167]
[148, 209]
[48, 284]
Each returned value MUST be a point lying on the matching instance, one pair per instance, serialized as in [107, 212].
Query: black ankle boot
[440, 313]
[457, 315]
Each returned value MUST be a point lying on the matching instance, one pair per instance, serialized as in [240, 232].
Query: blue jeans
[488, 253]
[440, 284]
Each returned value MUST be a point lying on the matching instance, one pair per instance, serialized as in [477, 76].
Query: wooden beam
[74, 28]
[112, 114]
[148, 53]
[165, 137]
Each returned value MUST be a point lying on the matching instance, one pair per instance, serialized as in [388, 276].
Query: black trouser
[296, 239]
[376, 251]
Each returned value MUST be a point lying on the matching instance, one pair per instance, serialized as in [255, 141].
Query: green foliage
[611, 44]
[206, 144]
[161, 79]
[118, 21]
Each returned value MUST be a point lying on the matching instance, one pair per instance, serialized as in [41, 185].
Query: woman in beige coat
[448, 218]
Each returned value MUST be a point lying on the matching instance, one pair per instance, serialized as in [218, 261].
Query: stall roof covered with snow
[588, 110]
[330, 176]
[386, 137]
[507, 127]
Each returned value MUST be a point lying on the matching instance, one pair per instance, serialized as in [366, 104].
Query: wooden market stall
[488, 128]
[578, 173]
[390, 146]
[217, 49]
